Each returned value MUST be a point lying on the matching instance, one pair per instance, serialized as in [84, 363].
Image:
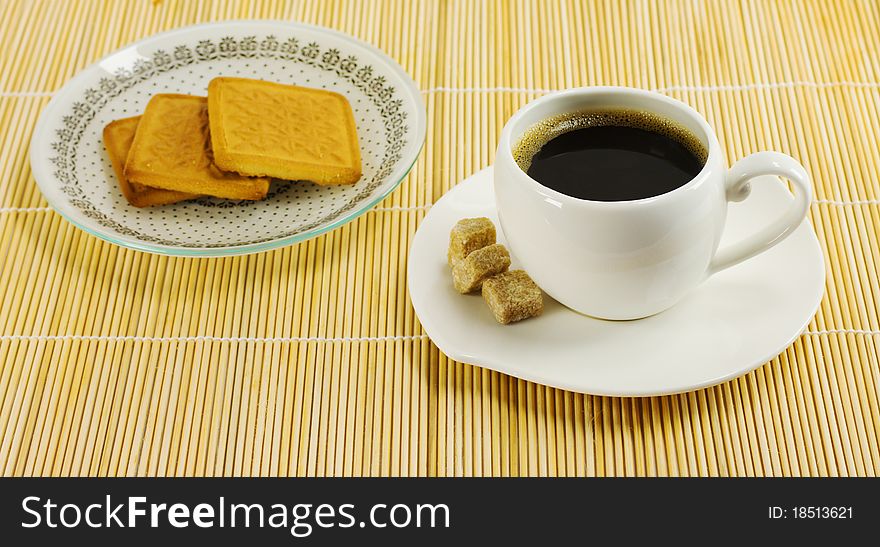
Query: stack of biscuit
[232, 143]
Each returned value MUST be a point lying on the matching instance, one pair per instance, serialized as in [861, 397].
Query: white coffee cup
[632, 259]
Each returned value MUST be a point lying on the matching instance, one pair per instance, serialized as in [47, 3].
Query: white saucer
[736, 321]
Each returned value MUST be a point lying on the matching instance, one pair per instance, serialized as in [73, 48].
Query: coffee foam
[536, 136]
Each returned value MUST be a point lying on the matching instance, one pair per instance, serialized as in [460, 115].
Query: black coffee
[610, 155]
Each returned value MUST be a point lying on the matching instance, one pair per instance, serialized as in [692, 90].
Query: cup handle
[737, 186]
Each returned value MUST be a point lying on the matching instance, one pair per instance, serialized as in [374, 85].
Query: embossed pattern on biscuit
[303, 126]
[118, 137]
[180, 143]
[172, 150]
[283, 131]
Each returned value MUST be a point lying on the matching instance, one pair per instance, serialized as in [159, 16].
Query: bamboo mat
[310, 361]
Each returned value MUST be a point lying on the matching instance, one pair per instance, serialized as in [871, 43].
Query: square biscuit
[289, 132]
[172, 150]
[469, 273]
[468, 235]
[513, 296]
[118, 136]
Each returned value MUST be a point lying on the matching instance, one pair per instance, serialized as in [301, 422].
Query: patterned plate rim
[42, 169]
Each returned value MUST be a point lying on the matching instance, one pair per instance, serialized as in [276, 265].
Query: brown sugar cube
[513, 296]
[469, 273]
[468, 235]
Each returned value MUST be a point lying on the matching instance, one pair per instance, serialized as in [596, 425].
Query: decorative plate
[73, 170]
